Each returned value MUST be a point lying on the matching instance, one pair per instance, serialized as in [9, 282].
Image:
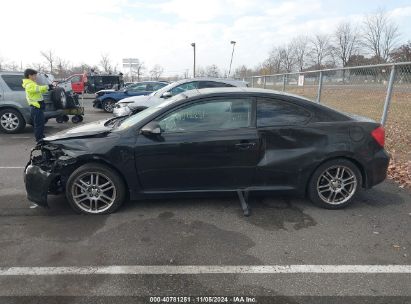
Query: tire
[335, 184]
[85, 198]
[108, 105]
[59, 98]
[11, 121]
[77, 119]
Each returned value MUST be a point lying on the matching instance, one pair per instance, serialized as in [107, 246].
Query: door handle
[245, 145]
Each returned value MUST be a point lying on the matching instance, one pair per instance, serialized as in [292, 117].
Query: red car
[81, 83]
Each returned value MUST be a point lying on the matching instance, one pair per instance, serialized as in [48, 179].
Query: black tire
[77, 119]
[118, 193]
[329, 192]
[59, 98]
[11, 121]
[108, 105]
[60, 119]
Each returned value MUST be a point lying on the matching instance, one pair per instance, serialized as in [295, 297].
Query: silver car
[135, 104]
[14, 109]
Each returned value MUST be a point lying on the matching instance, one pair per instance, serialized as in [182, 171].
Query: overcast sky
[160, 32]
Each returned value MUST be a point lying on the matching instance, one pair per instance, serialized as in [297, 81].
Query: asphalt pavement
[171, 242]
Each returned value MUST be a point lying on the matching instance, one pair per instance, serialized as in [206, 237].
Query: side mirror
[125, 91]
[152, 128]
[166, 95]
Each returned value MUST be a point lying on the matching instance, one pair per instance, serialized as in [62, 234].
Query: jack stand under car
[243, 196]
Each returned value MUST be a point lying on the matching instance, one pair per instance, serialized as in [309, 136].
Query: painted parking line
[206, 269]
[12, 167]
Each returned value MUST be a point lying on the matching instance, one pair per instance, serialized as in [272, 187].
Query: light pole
[194, 66]
[231, 61]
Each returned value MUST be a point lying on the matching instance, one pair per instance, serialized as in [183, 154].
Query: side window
[218, 114]
[138, 88]
[158, 86]
[75, 79]
[272, 112]
[14, 82]
[213, 84]
[184, 87]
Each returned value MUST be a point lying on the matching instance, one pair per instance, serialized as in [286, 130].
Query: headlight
[122, 105]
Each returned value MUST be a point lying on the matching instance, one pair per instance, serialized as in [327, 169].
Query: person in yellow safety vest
[34, 96]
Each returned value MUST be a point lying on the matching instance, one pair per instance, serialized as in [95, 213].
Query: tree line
[374, 41]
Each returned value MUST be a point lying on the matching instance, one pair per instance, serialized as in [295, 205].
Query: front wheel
[95, 189]
[108, 105]
[334, 184]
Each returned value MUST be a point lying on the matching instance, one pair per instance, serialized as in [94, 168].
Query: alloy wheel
[9, 121]
[93, 192]
[336, 185]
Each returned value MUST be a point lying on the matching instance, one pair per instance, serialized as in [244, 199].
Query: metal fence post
[320, 86]
[284, 81]
[252, 81]
[388, 96]
[264, 81]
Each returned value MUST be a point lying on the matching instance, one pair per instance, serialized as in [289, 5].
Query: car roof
[10, 73]
[235, 82]
[258, 91]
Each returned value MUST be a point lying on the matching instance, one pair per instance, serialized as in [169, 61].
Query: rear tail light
[379, 135]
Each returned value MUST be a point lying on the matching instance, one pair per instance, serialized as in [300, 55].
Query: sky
[161, 32]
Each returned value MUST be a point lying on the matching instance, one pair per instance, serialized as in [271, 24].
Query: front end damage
[46, 172]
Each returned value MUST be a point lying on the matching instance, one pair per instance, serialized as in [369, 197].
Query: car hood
[144, 101]
[86, 130]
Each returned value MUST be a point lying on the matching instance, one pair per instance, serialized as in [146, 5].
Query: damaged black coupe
[212, 140]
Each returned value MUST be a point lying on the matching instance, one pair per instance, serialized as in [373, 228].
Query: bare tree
[402, 53]
[321, 50]
[287, 57]
[200, 72]
[212, 71]
[38, 66]
[2, 64]
[300, 46]
[50, 58]
[105, 63]
[62, 68]
[380, 35]
[346, 41]
[273, 63]
[156, 72]
[138, 70]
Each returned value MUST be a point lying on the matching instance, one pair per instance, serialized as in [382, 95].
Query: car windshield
[136, 118]
[163, 89]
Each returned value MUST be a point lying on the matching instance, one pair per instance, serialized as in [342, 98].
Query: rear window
[272, 112]
[213, 84]
[14, 82]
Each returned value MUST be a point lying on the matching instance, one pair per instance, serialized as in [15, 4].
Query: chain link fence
[381, 92]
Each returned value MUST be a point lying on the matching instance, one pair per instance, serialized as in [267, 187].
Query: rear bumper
[37, 182]
[376, 170]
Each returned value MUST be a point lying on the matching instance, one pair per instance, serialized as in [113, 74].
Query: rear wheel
[108, 105]
[95, 189]
[11, 121]
[334, 184]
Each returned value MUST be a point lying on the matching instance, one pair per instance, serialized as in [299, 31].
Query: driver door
[211, 144]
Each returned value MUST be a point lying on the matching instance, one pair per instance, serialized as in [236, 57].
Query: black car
[212, 140]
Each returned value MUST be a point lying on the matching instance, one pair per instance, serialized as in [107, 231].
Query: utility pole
[194, 66]
[232, 55]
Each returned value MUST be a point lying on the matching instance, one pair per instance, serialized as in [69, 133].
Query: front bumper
[121, 111]
[37, 182]
[97, 103]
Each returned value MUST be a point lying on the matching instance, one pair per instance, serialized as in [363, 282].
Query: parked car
[212, 140]
[102, 92]
[136, 104]
[108, 100]
[14, 109]
[82, 83]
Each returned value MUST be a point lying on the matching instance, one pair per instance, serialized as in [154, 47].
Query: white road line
[210, 269]
[12, 167]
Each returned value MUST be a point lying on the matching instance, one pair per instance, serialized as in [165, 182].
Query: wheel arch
[351, 159]
[16, 108]
[101, 161]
